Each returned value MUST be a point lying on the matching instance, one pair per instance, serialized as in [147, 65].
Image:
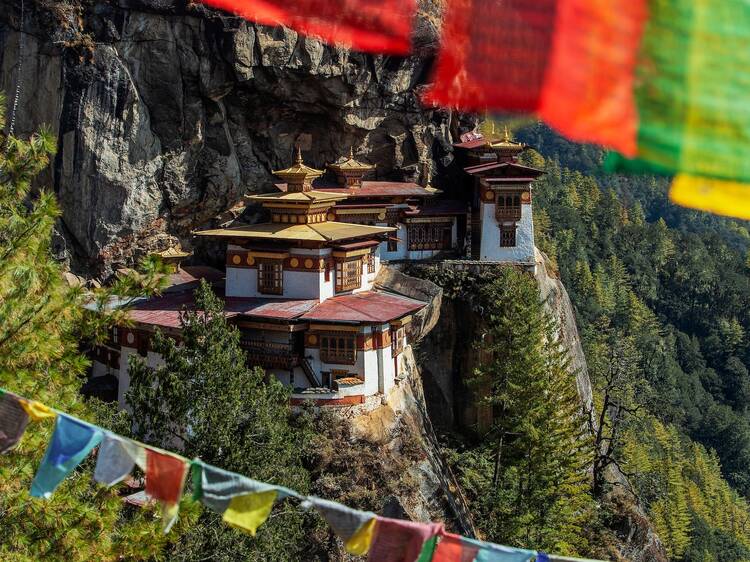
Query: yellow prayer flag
[36, 410]
[249, 511]
[359, 543]
[722, 197]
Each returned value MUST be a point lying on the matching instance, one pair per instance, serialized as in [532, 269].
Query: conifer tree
[41, 318]
[204, 400]
[529, 479]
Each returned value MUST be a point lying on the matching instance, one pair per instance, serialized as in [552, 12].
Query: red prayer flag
[493, 54]
[380, 26]
[165, 476]
[450, 548]
[398, 540]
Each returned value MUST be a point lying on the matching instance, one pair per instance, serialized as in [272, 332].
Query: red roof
[282, 309]
[368, 307]
[190, 275]
[372, 189]
[476, 143]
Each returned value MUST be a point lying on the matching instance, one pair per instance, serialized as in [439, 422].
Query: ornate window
[370, 261]
[507, 235]
[429, 235]
[338, 348]
[398, 340]
[348, 275]
[508, 206]
[271, 277]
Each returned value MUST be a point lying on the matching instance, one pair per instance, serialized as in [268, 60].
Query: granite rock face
[167, 113]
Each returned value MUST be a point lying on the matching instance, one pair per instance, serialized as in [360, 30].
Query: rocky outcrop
[167, 113]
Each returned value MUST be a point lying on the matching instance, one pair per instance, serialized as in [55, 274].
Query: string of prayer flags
[36, 410]
[380, 26]
[354, 527]
[165, 479]
[544, 557]
[72, 440]
[117, 458]
[243, 502]
[13, 421]
[397, 540]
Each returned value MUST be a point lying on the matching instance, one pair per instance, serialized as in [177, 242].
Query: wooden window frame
[508, 235]
[398, 340]
[276, 268]
[429, 236]
[508, 206]
[348, 274]
[370, 261]
[338, 348]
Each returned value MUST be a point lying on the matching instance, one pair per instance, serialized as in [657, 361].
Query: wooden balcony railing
[508, 213]
[271, 355]
[338, 357]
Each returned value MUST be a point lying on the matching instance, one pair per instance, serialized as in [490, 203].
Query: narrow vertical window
[271, 277]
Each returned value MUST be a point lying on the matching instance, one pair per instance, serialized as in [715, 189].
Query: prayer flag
[450, 548]
[165, 478]
[428, 550]
[381, 26]
[71, 441]
[117, 458]
[13, 421]
[36, 410]
[397, 540]
[490, 552]
[354, 527]
[663, 83]
[244, 502]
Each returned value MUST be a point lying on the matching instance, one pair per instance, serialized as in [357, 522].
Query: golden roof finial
[492, 124]
[299, 155]
[507, 137]
[351, 153]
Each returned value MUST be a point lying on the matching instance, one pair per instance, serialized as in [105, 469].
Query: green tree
[205, 401]
[528, 479]
[41, 320]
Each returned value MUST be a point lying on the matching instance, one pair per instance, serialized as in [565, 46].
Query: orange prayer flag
[165, 476]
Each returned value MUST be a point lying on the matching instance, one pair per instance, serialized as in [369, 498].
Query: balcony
[508, 213]
[270, 355]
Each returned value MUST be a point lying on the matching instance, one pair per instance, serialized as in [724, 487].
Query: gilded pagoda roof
[299, 170]
[310, 197]
[351, 164]
[173, 252]
[329, 231]
[506, 143]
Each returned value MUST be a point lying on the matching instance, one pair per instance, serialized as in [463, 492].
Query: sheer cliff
[167, 113]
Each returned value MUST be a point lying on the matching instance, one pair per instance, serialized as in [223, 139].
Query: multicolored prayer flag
[354, 527]
[71, 442]
[13, 421]
[243, 502]
[380, 26]
[398, 540]
[663, 83]
[490, 552]
[116, 459]
[165, 479]
[450, 548]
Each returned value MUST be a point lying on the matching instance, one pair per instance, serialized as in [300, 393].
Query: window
[370, 261]
[271, 277]
[399, 340]
[114, 335]
[348, 275]
[507, 235]
[338, 348]
[429, 236]
[326, 376]
[508, 206]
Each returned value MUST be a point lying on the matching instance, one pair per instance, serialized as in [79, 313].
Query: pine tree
[529, 480]
[41, 318]
[205, 400]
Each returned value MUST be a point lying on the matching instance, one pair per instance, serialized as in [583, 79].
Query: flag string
[244, 503]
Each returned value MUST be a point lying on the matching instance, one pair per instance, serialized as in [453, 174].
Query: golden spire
[299, 156]
[507, 136]
[299, 176]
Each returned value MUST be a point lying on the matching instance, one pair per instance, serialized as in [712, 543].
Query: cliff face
[167, 113]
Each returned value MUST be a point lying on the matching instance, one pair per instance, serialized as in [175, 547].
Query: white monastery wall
[491, 250]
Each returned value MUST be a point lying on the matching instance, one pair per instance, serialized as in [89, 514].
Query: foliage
[673, 284]
[526, 475]
[41, 318]
[205, 401]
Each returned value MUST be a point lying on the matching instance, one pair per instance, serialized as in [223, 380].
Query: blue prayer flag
[490, 552]
[71, 441]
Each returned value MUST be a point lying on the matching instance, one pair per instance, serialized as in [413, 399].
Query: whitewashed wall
[491, 250]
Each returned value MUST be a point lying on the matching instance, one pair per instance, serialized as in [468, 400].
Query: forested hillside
[662, 297]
